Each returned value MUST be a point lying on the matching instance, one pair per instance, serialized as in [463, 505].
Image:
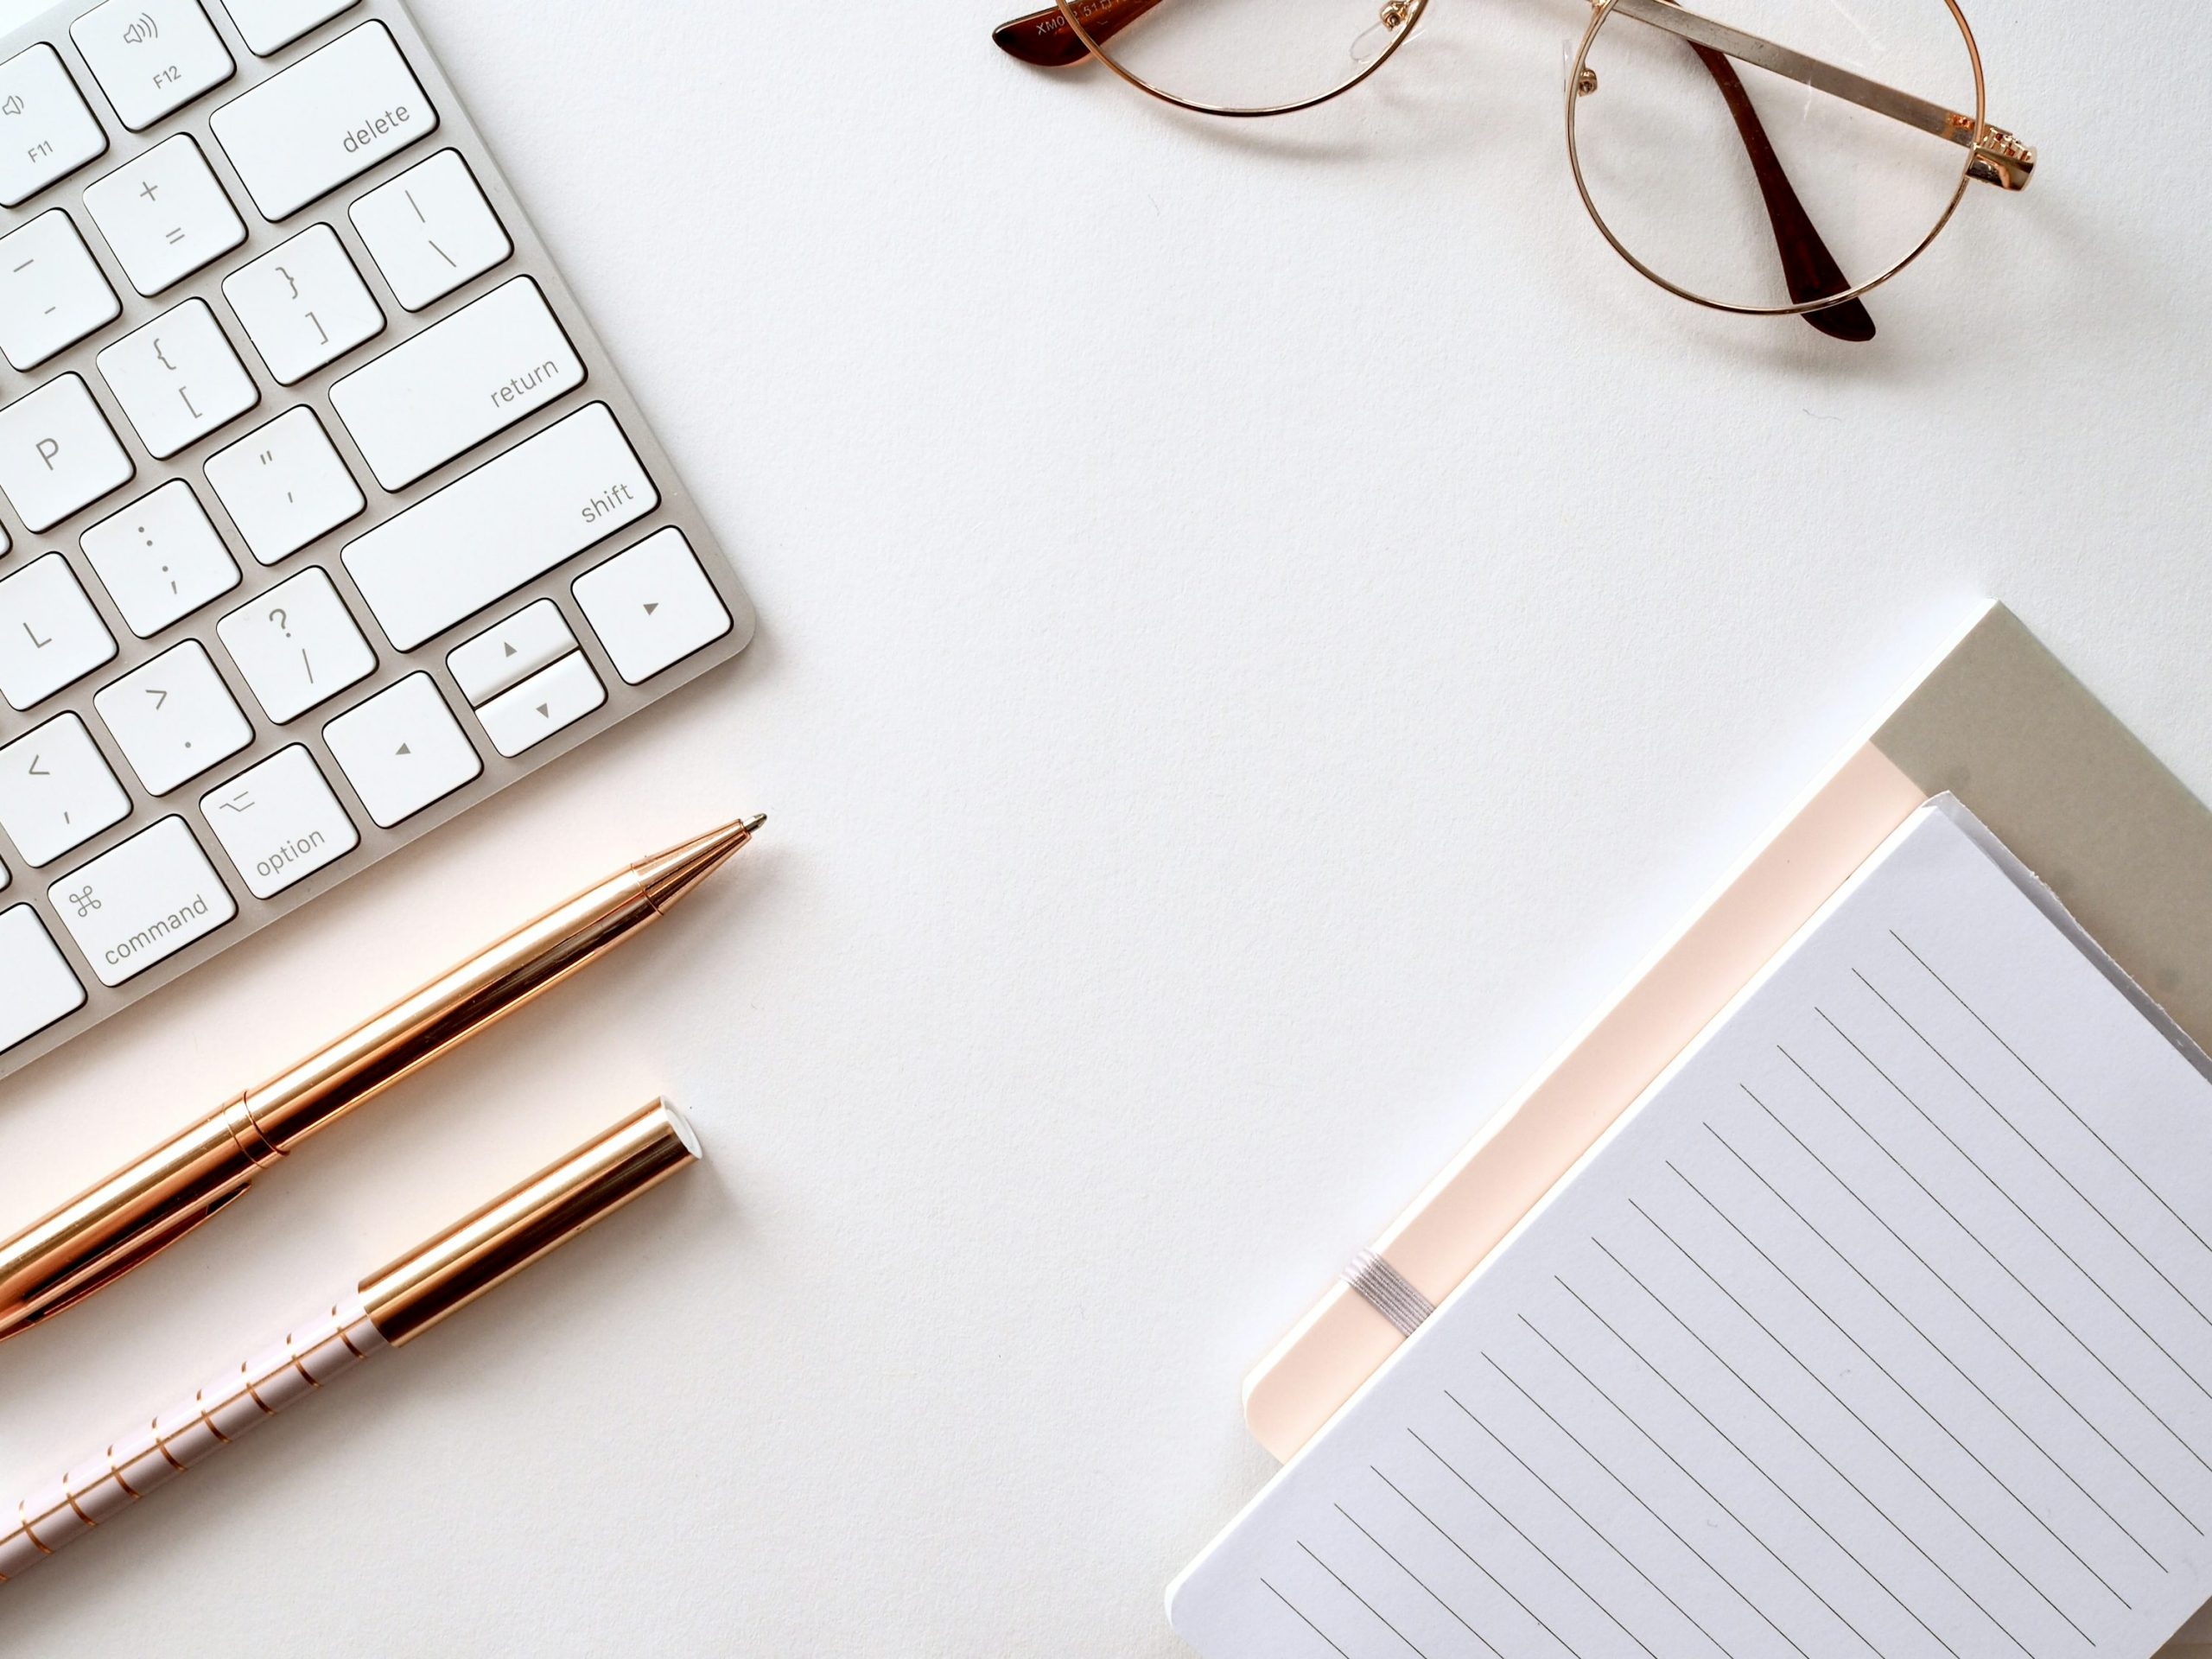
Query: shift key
[331, 117]
[142, 902]
[507, 523]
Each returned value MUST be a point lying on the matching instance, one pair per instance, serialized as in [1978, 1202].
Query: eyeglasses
[1677, 122]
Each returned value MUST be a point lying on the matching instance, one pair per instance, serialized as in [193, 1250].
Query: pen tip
[674, 874]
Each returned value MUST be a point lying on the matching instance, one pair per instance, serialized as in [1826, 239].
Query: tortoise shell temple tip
[1808, 269]
[1042, 38]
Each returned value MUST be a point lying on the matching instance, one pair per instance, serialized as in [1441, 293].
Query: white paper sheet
[1882, 1324]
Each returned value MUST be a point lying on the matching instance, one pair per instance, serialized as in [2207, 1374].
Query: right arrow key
[651, 605]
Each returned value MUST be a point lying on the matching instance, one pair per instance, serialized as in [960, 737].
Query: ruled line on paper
[1901, 1461]
[1595, 1531]
[2156, 1197]
[2044, 1158]
[1956, 1295]
[1790, 1497]
[1425, 1585]
[2019, 1209]
[1361, 1599]
[1579, 1588]
[1535, 1618]
[1606, 1469]
[2095, 1353]
[1849, 1263]
[1303, 1619]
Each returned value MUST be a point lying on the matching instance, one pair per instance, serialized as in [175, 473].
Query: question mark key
[297, 646]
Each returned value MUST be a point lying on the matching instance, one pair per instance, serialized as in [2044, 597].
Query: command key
[141, 903]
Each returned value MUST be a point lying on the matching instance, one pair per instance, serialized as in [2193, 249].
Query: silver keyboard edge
[602, 383]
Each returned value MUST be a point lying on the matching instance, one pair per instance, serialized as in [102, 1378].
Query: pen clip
[134, 1252]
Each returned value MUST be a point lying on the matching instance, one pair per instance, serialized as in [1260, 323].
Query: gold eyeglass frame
[1993, 155]
[1580, 83]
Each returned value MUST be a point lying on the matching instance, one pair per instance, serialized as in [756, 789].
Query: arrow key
[510, 653]
[653, 606]
[402, 750]
[546, 703]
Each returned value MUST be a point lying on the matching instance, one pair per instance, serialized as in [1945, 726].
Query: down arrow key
[550, 700]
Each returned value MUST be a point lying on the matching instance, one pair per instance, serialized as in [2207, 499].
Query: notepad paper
[1882, 1324]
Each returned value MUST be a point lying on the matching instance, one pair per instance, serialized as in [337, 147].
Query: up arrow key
[403, 749]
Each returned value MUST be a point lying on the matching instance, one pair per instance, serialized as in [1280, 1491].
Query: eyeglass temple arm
[1998, 157]
[1045, 39]
[1808, 269]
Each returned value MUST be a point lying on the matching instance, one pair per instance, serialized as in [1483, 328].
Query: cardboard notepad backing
[1998, 722]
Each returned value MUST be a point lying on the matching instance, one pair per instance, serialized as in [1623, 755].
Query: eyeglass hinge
[1999, 158]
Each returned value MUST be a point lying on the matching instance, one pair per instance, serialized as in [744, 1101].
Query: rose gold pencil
[141, 1210]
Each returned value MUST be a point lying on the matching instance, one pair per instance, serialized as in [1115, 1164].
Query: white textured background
[1261, 628]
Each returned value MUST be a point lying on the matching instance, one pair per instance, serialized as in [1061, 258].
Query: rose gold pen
[101, 1235]
[389, 1308]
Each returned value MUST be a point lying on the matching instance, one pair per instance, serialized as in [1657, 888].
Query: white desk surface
[1260, 627]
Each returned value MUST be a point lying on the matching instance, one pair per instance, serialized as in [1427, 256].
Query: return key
[453, 385]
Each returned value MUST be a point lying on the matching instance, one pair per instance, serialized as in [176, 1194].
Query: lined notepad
[1881, 1325]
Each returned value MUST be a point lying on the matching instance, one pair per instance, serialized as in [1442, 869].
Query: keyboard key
[50, 635]
[284, 485]
[455, 384]
[402, 750]
[304, 305]
[331, 117]
[270, 25]
[279, 822]
[137, 905]
[430, 230]
[174, 718]
[177, 378]
[151, 56]
[52, 292]
[164, 214]
[58, 453]
[546, 703]
[514, 517]
[297, 644]
[651, 605]
[37, 986]
[161, 559]
[57, 790]
[51, 132]
[510, 653]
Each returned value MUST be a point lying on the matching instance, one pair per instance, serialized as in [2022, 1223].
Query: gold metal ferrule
[452, 1270]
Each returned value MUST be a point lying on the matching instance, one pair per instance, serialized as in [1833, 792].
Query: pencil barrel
[101, 1487]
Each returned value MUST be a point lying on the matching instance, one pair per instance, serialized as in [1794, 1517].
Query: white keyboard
[325, 515]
